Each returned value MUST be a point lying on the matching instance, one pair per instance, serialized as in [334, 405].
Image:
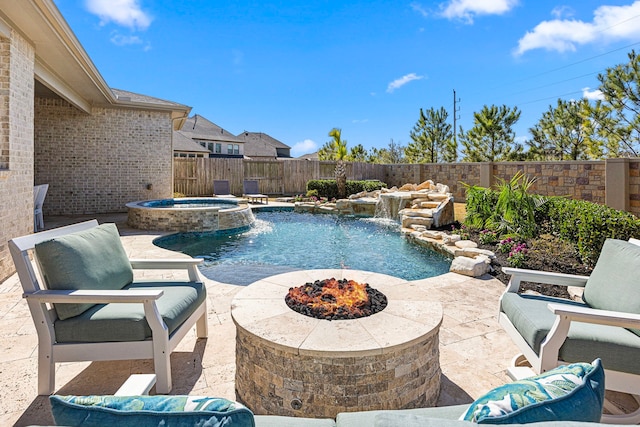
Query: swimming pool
[280, 242]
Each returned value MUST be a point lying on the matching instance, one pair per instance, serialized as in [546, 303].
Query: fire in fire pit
[333, 299]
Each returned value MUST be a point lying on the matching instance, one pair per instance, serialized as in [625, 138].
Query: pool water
[280, 242]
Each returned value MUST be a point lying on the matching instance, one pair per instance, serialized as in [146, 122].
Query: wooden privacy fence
[194, 177]
[613, 182]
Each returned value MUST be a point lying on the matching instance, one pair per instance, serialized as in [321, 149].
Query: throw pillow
[567, 393]
[89, 259]
[147, 411]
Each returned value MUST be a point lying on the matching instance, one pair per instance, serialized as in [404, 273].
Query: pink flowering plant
[505, 245]
[463, 232]
[518, 255]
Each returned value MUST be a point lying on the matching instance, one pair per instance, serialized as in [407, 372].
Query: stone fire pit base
[294, 365]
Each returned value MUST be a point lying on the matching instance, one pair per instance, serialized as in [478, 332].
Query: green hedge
[588, 225]
[329, 189]
[584, 224]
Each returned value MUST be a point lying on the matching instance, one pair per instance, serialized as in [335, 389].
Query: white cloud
[467, 9]
[120, 40]
[562, 12]
[417, 7]
[593, 95]
[126, 13]
[304, 147]
[398, 83]
[609, 23]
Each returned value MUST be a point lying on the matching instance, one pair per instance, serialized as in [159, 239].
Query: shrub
[588, 225]
[312, 193]
[488, 237]
[329, 189]
[510, 210]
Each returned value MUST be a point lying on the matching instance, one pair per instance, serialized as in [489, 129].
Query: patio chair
[252, 192]
[86, 305]
[221, 189]
[553, 331]
[39, 194]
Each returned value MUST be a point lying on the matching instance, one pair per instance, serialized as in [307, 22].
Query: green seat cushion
[149, 411]
[567, 393]
[368, 418]
[90, 259]
[618, 348]
[393, 419]
[126, 322]
[614, 284]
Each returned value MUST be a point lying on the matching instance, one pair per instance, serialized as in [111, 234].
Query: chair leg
[202, 328]
[622, 418]
[162, 364]
[46, 371]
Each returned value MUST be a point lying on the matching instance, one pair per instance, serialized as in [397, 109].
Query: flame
[331, 296]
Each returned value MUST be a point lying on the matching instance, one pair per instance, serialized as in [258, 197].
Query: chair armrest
[189, 264]
[550, 278]
[592, 315]
[165, 264]
[95, 296]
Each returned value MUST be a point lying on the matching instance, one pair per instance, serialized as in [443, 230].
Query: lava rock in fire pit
[332, 299]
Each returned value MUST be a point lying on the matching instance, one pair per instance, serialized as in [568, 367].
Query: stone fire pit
[295, 365]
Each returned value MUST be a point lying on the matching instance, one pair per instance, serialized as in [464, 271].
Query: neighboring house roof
[185, 144]
[259, 144]
[62, 66]
[199, 128]
[310, 156]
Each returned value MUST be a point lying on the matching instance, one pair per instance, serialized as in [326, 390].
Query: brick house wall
[98, 163]
[17, 58]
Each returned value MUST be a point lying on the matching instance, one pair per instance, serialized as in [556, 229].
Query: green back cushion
[147, 411]
[614, 283]
[567, 393]
[89, 259]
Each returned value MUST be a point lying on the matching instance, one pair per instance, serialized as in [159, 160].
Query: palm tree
[340, 152]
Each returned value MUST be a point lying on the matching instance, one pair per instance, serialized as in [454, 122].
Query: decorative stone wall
[295, 365]
[188, 219]
[97, 163]
[634, 186]
[17, 58]
[280, 382]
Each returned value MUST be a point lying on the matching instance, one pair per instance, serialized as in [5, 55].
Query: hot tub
[189, 214]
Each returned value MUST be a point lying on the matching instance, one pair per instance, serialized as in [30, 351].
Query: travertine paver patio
[474, 351]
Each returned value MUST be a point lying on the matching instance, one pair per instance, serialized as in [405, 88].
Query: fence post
[486, 174]
[616, 193]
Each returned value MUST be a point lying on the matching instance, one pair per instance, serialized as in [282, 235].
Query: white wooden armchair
[553, 331]
[86, 306]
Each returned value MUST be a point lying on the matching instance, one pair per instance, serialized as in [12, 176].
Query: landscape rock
[472, 267]
[451, 239]
[464, 244]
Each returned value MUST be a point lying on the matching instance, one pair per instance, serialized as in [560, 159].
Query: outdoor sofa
[555, 398]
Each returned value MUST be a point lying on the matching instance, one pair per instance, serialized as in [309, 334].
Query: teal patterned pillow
[567, 393]
[147, 411]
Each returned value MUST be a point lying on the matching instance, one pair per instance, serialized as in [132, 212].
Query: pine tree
[491, 139]
[432, 139]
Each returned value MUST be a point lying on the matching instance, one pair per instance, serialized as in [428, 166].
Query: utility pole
[455, 116]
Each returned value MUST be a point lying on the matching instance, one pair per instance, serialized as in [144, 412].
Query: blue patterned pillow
[567, 393]
[147, 411]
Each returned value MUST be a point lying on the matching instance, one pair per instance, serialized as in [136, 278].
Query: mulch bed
[546, 253]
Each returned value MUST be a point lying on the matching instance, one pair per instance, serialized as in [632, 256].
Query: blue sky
[296, 69]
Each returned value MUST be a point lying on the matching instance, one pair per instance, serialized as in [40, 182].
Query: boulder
[451, 239]
[464, 244]
[427, 185]
[472, 267]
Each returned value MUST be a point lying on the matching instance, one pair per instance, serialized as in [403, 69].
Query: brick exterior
[16, 143]
[634, 186]
[98, 163]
